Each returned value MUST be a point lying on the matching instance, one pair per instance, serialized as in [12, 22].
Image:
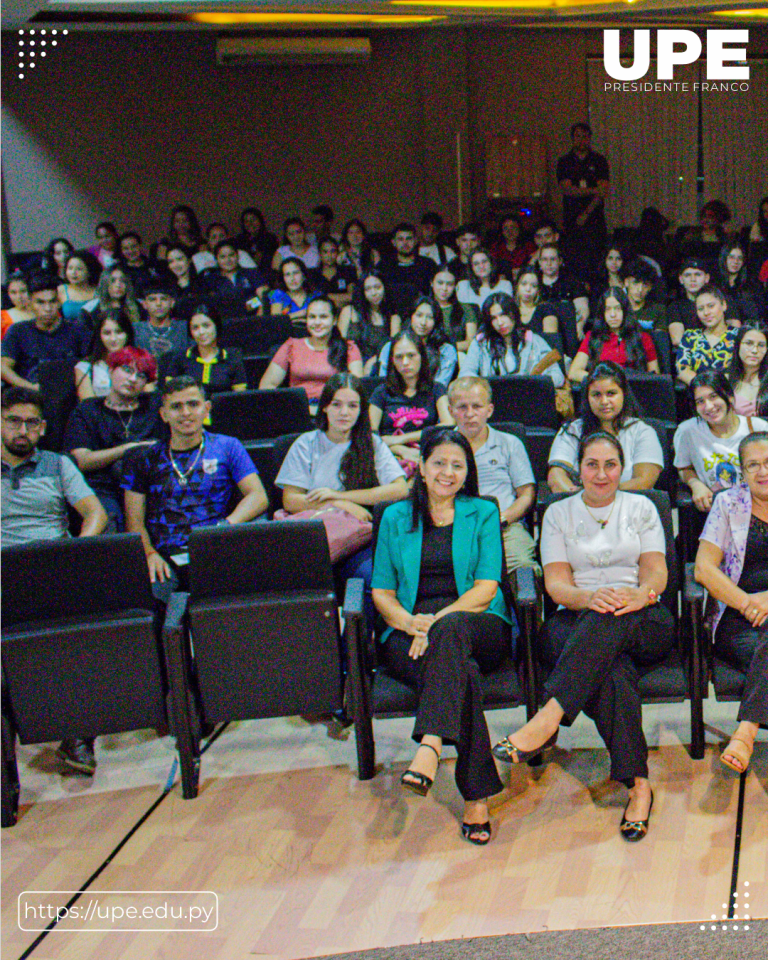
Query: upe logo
[675, 48]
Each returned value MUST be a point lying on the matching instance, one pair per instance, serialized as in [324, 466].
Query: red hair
[134, 357]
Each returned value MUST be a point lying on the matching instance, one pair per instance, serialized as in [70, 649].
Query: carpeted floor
[665, 941]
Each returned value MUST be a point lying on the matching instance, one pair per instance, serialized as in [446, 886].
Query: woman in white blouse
[607, 404]
[604, 557]
[483, 279]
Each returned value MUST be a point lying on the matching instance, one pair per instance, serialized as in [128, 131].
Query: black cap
[694, 263]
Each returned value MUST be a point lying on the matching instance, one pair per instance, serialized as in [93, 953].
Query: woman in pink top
[748, 372]
[310, 361]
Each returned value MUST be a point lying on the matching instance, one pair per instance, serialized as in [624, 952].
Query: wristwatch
[653, 597]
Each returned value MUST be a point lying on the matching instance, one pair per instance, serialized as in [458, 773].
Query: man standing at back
[584, 180]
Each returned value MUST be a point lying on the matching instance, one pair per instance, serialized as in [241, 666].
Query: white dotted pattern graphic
[743, 919]
[34, 44]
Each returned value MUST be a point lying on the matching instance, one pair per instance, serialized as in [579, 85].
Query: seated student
[184, 285]
[18, 294]
[55, 257]
[545, 235]
[535, 314]
[183, 230]
[336, 282]
[707, 445]
[459, 320]
[356, 249]
[504, 347]
[342, 464]
[235, 290]
[255, 240]
[607, 405]
[744, 298]
[430, 228]
[205, 259]
[748, 371]
[321, 221]
[81, 273]
[293, 293]
[47, 337]
[310, 361]
[615, 337]
[370, 320]
[37, 486]
[503, 468]
[483, 279]
[512, 250]
[105, 248]
[218, 369]
[102, 430]
[638, 278]
[113, 291]
[295, 244]
[161, 332]
[409, 400]
[467, 241]
[423, 319]
[608, 273]
[681, 313]
[112, 332]
[406, 273]
[136, 264]
[187, 482]
[558, 287]
[710, 347]
[705, 240]
[732, 564]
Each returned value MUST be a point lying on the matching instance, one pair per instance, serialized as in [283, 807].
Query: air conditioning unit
[291, 51]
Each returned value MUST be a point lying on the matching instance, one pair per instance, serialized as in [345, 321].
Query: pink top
[744, 408]
[309, 368]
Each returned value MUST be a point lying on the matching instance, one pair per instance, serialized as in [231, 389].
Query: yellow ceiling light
[501, 4]
[320, 19]
[757, 12]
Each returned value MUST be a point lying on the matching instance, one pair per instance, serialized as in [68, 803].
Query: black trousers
[597, 660]
[447, 681]
[746, 648]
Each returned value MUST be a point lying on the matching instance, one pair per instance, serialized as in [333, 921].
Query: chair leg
[10, 776]
[182, 710]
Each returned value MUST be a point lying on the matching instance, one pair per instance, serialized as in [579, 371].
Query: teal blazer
[477, 553]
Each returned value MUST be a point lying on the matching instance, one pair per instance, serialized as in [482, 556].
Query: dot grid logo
[725, 54]
[34, 45]
[741, 915]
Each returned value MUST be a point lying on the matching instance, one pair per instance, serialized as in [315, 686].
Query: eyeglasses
[16, 423]
[754, 466]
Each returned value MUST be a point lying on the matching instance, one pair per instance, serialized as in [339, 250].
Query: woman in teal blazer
[436, 579]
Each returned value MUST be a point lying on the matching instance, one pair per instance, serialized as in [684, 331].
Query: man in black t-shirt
[406, 274]
[584, 179]
[681, 312]
[47, 337]
[103, 430]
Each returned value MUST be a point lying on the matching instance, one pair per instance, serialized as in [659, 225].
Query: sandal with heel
[419, 783]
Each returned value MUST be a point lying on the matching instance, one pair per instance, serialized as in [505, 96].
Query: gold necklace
[183, 478]
[601, 523]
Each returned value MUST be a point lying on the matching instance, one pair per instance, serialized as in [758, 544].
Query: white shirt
[314, 461]
[602, 557]
[715, 459]
[205, 260]
[638, 440]
[465, 293]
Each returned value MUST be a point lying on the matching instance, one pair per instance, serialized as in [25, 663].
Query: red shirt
[616, 350]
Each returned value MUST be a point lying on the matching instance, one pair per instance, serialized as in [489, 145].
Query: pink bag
[346, 534]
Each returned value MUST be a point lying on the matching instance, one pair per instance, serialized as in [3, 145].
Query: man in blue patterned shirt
[185, 483]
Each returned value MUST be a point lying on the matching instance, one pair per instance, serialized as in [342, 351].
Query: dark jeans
[447, 681]
[113, 506]
[597, 660]
[746, 648]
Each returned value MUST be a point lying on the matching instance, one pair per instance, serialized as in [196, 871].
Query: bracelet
[653, 597]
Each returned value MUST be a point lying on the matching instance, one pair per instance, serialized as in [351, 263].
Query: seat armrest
[684, 497]
[693, 591]
[525, 595]
[175, 611]
[353, 598]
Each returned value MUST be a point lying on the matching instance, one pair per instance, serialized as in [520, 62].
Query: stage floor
[306, 860]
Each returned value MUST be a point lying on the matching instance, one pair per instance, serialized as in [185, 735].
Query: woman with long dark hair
[744, 300]
[183, 231]
[459, 320]
[113, 332]
[483, 279]
[615, 336]
[81, 274]
[295, 244]
[436, 583]
[511, 249]
[536, 314]
[504, 347]
[185, 286]
[370, 320]
[356, 250]
[255, 239]
[424, 320]
[309, 362]
[293, 292]
[607, 406]
[748, 371]
[218, 369]
[55, 257]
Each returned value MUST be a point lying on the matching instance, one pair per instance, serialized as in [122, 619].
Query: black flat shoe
[416, 782]
[634, 830]
[78, 755]
[506, 750]
[477, 833]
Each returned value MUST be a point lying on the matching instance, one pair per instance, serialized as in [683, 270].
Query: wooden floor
[307, 860]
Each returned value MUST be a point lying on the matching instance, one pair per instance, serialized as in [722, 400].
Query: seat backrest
[370, 384]
[660, 499]
[668, 476]
[57, 388]
[255, 367]
[526, 400]
[260, 414]
[282, 556]
[255, 335]
[654, 393]
[53, 579]
[663, 350]
[265, 459]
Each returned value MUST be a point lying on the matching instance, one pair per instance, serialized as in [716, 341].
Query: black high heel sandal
[419, 783]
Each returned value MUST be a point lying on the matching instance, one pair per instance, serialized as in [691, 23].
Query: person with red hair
[102, 431]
